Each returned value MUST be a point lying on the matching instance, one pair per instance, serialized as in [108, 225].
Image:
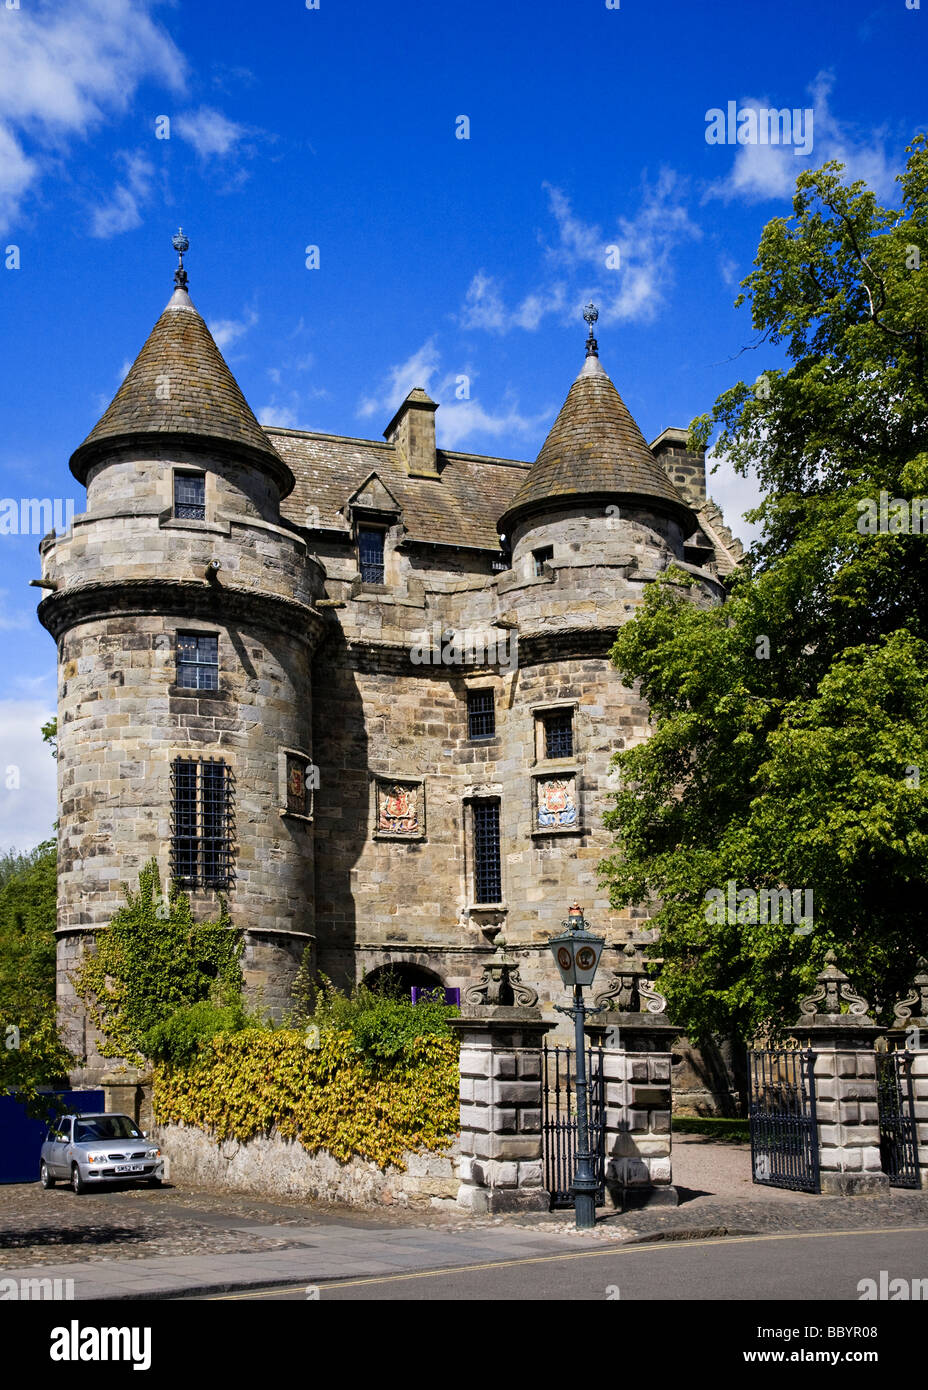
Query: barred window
[370, 555]
[488, 886]
[559, 735]
[202, 822]
[190, 496]
[481, 714]
[198, 661]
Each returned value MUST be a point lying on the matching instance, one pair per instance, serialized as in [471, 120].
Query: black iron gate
[560, 1124]
[898, 1134]
[784, 1136]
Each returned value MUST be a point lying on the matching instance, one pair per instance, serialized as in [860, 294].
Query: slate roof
[594, 448]
[180, 385]
[459, 509]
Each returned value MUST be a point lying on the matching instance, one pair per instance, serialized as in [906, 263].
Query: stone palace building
[360, 687]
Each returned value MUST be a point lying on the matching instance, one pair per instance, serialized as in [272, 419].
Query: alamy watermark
[36, 516]
[470, 646]
[893, 1290]
[36, 1290]
[895, 516]
[756, 907]
[760, 126]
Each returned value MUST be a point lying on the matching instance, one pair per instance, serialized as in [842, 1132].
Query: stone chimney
[412, 431]
[686, 471]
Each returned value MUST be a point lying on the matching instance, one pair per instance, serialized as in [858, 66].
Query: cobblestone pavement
[717, 1197]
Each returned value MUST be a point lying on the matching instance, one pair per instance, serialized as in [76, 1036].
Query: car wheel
[77, 1182]
[154, 1182]
[45, 1177]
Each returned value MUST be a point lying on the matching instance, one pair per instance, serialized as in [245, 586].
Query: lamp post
[576, 954]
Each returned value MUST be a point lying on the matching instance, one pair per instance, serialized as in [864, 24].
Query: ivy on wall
[319, 1089]
[153, 960]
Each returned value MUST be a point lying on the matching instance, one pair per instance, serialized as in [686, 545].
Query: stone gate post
[911, 1032]
[128, 1092]
[501, 1108]
[636, 1037]
[847, 1109]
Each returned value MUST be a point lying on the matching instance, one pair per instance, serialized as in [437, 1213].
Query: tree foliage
[31, 1054]
[790, 726]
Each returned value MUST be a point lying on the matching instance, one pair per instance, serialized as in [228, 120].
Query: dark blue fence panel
[21, 1137]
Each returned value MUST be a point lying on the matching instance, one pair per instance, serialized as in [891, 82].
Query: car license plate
[130, 1167]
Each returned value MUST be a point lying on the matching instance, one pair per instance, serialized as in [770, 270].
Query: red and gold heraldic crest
[398, 809]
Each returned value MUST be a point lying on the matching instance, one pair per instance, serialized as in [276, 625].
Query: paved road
[808, 1267]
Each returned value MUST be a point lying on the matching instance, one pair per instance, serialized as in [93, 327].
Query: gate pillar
[847, 1106]
[636, 1038]
[501, 1108]
[920, 1089]
[910, 1031]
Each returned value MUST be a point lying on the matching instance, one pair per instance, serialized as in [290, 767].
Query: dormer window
[370, 554]
[190, 496]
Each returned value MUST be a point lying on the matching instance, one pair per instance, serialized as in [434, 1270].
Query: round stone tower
[596, 520]
[183, 606]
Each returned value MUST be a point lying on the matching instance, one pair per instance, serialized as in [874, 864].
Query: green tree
[790, 726]
[153, 960]
[31, 1054]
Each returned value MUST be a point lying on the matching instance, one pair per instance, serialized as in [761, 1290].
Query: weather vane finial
[180, 244]
[591, 314]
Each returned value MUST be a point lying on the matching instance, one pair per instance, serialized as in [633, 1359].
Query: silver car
[89, 1149]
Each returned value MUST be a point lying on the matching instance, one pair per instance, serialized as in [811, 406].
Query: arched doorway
[399, 978]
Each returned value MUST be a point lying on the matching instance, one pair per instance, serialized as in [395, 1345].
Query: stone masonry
[846, 1104]
[496, 579]
[501, 1110]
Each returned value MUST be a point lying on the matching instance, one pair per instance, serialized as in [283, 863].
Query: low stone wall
[276, 1167]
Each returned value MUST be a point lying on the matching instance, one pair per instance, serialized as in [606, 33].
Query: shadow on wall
[711, 1080]
[341, 752]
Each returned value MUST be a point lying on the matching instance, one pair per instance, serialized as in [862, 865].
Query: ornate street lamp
[576, 954]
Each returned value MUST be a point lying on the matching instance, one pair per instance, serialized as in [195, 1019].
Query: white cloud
[122, 213]
[579, 265]
[459, 420]
[209, 132]
[28, 779]
[735, 495]
[763, 172]
[17, 172]
[283, 416]
[728, 269]
[228, 331]
[63, 71]
[417, 370]
[483, 304]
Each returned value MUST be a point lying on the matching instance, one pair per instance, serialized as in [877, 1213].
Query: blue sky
[438, 256]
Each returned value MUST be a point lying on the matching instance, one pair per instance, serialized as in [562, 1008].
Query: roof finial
[591, 314]
[180, 244]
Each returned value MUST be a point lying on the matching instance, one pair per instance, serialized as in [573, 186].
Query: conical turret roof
[180, 386]
[594, 449]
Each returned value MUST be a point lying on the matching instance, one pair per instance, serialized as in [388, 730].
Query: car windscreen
[105, 1127]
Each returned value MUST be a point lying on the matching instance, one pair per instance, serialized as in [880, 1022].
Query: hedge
[328, 1096]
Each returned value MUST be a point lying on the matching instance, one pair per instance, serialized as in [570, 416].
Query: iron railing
[898, 1131]
[784, 1131]
[560, 1124]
